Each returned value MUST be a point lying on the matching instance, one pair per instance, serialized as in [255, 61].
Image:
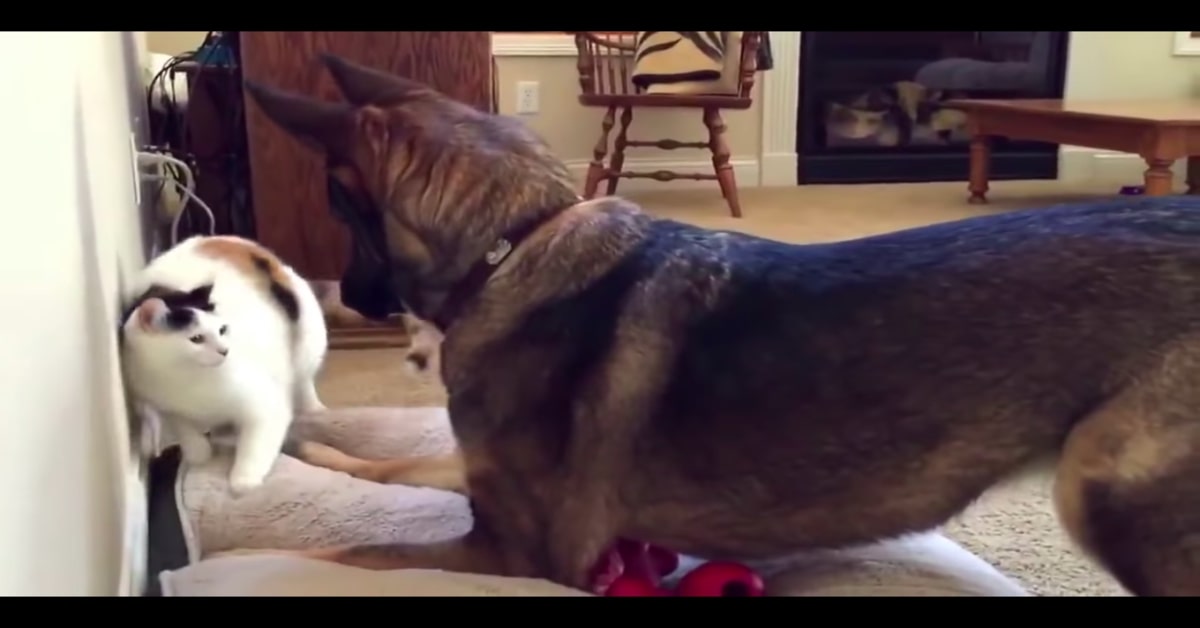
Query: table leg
[981, 162]
[1158, 177]
[1193, 174]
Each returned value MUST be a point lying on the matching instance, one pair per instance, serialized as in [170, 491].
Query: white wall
[69, 231]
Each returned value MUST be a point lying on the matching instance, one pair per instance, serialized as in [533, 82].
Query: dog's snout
[368, 291]
[366, 299]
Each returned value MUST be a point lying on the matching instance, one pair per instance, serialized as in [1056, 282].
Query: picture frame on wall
[1187, 43]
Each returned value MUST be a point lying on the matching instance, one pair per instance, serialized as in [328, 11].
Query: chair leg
[618, 156]
[596, 170]
[720, 159]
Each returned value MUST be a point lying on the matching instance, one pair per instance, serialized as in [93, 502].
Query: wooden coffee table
[1160, 131]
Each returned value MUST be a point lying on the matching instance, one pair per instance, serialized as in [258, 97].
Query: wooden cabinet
[291, 201]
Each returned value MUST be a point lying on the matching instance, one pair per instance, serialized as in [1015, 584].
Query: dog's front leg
[580, 534]
[607, 420]
[589, 514]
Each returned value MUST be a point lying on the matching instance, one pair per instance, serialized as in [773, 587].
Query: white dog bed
[301, 506]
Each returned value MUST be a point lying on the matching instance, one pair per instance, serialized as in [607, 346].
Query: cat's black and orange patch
[259, 263]
[280, 292]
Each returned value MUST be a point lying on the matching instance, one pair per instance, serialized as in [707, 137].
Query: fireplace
[871, 103]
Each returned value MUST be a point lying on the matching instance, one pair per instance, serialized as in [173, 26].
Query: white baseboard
[1077, 164]
[533, 45]
[745, 169]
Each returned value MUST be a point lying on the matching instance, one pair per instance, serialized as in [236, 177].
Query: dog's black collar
[461, 292]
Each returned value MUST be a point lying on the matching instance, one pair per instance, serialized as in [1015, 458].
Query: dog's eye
[223, 330]
[197, 339]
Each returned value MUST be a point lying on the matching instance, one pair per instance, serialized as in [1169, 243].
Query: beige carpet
[1013, 526]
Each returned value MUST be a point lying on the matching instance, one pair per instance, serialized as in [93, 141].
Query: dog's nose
[371, 297]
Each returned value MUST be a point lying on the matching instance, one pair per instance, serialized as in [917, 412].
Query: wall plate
[134, 170]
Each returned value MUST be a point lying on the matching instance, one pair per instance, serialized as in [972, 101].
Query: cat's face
[853, 123]
[183, 334]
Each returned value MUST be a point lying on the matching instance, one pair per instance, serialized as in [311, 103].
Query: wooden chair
[606, 63]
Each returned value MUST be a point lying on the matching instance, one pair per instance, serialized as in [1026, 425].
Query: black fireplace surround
[871, 102]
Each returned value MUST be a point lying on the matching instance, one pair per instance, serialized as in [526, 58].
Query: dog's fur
[730, 396]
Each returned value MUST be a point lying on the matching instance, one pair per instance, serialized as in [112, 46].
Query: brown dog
[613, 375]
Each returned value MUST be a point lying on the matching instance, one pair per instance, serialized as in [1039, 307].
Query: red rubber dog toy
[636, 569]
[633, 569]
[721, 579]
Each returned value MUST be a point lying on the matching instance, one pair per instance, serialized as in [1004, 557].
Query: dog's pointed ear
[324, 126]
[362, 85]
[372, 125]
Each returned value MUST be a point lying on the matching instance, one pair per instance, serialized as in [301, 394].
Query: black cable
[164, 140]
[170, 98]
[174, 136]
[166, 72]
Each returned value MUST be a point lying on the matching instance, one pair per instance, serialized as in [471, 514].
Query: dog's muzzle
[367, 284]
[369, 292]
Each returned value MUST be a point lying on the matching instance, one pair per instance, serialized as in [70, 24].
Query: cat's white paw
[313, 407]
[196, 451]
[242, 483]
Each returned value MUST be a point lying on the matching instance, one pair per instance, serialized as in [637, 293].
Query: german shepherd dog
[611, 374]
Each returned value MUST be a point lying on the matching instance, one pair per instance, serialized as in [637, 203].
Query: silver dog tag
[496, 255]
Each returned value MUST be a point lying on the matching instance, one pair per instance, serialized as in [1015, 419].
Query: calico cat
[224, 333]
[852, 123]
[904, 112]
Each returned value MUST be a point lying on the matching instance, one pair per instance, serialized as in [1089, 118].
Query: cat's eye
[223, 329]
[197, 339]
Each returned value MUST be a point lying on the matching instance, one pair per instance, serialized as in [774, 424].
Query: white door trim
[780, 101]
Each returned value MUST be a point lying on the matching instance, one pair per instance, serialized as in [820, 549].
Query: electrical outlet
[527, 97]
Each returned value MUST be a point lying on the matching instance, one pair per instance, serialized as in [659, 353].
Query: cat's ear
[151, 314]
